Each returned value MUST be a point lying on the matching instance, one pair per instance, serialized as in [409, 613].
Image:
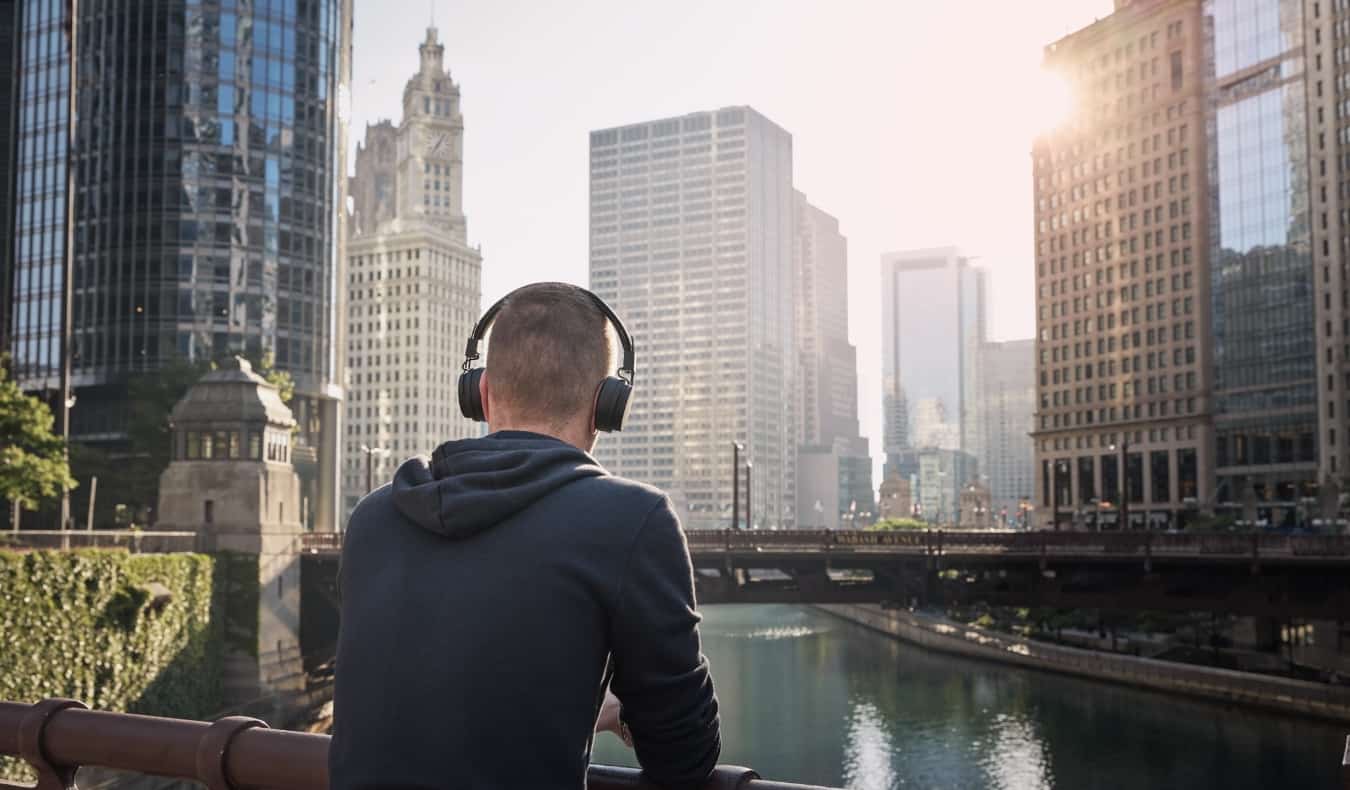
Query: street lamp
[1061, 466]
[371, 452]
[749, 495]
[736, 448]
[1124, 483]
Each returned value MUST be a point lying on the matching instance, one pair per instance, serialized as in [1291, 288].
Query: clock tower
[431, 145]
[414, 283]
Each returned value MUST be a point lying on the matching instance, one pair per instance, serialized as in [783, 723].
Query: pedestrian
[493, 592]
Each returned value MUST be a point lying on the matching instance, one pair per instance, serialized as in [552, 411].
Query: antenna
[431, 4]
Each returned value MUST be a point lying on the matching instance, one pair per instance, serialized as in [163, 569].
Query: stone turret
[231, 481]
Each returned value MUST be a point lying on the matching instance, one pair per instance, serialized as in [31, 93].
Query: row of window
[235, 445]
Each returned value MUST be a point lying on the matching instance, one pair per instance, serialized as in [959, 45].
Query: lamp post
[1058, 466]
[72, 22]
[736, 448]
[371, 452]
[1124, 483]
[749, 495]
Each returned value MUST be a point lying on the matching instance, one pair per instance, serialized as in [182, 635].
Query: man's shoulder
[373, 508]
[620, 492]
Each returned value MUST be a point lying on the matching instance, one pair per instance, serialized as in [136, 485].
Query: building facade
[11, 53]
[1007, 407]
[209, 154]
[1123, 357]
[691, 228]
[933, 322]
[414, 283]
[1264, 293]
[834, 468]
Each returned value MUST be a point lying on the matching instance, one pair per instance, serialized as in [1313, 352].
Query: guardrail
[1107, 544]
[58, 736]
[133, 540]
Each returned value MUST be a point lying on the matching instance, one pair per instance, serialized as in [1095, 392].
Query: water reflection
[868, 755]
[809, 698]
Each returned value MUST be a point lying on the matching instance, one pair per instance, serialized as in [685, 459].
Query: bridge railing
[1235, 546]
[57, 737]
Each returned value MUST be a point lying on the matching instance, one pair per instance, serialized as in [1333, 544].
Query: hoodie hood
[469, 485]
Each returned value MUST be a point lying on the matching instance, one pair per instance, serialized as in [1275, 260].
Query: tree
[32, 459]
[889, 524]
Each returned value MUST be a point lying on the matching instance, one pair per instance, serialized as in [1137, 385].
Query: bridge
[1263, 575]
[1283, 576]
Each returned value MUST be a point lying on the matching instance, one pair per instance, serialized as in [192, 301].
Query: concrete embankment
[1241, 688]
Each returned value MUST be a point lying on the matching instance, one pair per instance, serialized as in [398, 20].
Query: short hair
[548, 351]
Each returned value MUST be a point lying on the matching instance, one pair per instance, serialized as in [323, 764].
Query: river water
[807, 697]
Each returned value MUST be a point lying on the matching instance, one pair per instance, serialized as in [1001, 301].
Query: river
[809, 698]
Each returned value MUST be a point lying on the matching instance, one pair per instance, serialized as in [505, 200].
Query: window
[209, 511]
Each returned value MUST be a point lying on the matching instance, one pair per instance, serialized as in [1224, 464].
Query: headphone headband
[625, 342]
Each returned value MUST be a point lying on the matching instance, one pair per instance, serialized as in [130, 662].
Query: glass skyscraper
[209, 155]
[1265, 353]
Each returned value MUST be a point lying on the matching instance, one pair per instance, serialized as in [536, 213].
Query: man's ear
[483, 396]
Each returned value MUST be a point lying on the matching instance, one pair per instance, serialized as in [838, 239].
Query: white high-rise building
[932, 308]
[1007, 409]
[414, 287]
[834, 469]
[691, 224]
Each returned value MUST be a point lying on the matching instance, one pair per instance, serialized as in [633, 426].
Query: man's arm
[660, 674]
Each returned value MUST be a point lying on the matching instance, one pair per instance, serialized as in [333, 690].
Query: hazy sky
[911, 121]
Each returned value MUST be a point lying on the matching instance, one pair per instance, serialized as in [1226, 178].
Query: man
[488, 588]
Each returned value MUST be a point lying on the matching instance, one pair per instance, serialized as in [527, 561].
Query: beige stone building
[1122, 205]
[414, 283]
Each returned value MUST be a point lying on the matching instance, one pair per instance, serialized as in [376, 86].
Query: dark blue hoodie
[483, 593]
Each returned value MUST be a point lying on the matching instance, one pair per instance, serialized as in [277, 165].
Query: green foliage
[32, 459]
[898, 524]
[280, 379]
[86, 625]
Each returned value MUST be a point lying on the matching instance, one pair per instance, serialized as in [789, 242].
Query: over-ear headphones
[611, 400]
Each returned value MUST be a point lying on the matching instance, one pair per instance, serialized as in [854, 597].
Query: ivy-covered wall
[143, 633]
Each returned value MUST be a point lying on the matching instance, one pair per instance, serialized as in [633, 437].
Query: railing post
[31, 748]
[214, 746]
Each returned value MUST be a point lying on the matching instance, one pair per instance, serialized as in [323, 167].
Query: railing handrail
[57, 736]
[108, 533]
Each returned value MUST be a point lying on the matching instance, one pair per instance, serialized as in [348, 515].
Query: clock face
[438, 142]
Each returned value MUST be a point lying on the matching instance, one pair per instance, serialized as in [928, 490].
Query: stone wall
[1243, 688]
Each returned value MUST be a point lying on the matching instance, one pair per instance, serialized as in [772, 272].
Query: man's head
[548, 351]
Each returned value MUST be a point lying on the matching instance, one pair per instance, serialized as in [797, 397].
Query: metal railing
[1106, 544]
[58, 736]
[134, 540]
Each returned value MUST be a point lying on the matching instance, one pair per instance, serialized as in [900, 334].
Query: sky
[911, 121]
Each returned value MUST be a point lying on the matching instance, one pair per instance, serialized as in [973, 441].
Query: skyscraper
[1007, 405]
[209, 153]
[691, 222]
[10, 54]
[414, 283]
[933, 314]
[834, 469]
[1275, 272]
[1122, 286]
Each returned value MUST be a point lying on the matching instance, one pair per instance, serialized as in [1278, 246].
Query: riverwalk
[1276, 694]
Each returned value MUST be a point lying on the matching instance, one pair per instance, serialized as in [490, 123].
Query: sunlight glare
[1051, 100]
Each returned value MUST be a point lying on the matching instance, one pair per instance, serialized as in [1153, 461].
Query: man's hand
[609, 719]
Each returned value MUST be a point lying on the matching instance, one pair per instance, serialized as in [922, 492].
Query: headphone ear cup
[470, 396]
[611, 404]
